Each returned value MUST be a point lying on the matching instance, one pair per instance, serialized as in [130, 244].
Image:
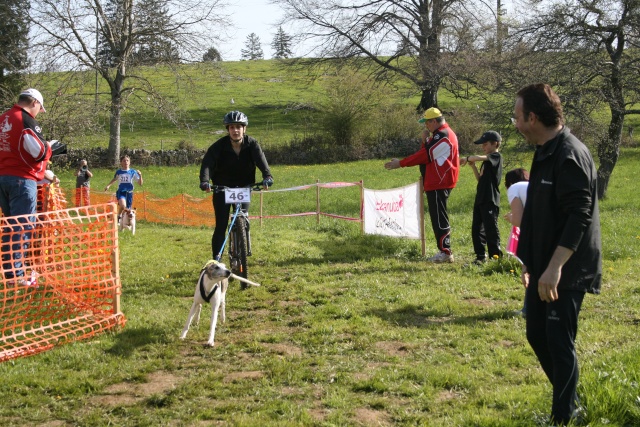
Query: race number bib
[237, 195]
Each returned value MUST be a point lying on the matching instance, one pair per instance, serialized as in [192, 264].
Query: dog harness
[203, 291]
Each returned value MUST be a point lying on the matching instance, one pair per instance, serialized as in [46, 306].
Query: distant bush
[318, 149]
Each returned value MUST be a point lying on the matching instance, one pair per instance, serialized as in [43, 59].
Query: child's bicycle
[238, 234]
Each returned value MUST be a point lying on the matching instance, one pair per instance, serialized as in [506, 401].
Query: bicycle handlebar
[253, 187]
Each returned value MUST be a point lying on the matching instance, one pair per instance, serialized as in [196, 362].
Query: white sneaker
[441, 257]
[33, 279]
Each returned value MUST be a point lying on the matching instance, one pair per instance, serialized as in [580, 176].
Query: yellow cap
[431, 113]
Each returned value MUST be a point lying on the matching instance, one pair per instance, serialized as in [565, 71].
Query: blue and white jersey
[126, 178]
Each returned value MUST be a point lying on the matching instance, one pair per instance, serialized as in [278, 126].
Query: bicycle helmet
[235, 117]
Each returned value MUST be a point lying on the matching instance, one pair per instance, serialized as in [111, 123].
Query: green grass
[347, 329]
[278, 100]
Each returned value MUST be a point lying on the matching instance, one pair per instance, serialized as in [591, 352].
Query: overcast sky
[261, 17]
[251, 16]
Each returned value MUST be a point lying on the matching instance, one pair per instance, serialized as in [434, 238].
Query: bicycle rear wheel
[238, 253]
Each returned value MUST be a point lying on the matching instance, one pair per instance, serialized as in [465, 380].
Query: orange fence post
[362, 206]
[184, 218]
[422, 237]
[144, 204]
[317, 201]
[261, 209]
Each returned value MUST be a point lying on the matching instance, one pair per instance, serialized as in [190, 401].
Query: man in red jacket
[24, 154]
[439, 155]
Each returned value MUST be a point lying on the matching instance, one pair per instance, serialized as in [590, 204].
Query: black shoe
[480, 261]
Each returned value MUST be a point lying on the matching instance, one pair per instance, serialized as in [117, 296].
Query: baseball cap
[431, 113]
[490, 135]
[35, 93]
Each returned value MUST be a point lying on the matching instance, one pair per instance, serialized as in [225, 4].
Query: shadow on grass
[131, 339]
[414, 316]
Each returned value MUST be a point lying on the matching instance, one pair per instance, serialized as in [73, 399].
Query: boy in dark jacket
[486, 209]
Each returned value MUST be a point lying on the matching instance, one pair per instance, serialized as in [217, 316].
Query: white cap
[35, 93]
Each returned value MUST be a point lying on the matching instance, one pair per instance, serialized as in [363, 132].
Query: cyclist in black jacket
[231, 161]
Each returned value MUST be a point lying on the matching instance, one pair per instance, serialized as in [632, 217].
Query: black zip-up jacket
[223, 166]
[562, 210]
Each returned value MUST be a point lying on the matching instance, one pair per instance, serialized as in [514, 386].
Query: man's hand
[548, 284]
[267, 182]
[205, 186]
[524, 276]
[393, 164]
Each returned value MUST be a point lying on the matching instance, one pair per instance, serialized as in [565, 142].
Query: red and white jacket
[440, 156]
[23, 150]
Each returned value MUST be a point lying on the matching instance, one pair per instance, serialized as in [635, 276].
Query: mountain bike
[238, 233]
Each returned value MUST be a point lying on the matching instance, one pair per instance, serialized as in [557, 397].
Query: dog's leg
[223, 300]
[215, 306]
[195, 308]
[197, 320]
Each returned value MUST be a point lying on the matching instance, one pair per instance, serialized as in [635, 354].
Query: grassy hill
[280, 102]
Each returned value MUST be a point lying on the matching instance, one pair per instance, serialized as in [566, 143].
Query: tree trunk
[428, 99]
[113, 152]
[609, 151]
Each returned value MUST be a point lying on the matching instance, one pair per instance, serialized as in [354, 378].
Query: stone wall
[97, 157]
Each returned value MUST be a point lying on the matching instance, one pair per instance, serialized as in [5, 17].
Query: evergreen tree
[14, 28]
[254, 49]
[154, 44]
[108, 53]
[212, 55]
[281, 45]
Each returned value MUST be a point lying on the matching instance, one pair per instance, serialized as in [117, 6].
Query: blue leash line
[226, 239]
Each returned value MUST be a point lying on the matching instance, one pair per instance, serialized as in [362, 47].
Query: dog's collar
[203, 291]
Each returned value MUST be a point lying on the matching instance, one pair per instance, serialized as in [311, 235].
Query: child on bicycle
[125, 177]
[231, 161]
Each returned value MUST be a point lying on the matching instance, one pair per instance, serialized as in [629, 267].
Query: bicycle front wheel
[240, 250]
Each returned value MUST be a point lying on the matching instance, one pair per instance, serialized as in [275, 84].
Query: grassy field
[347, 329]
[280, 102]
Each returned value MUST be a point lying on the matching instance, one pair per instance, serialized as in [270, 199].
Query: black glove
[267, 182]
[205, 186]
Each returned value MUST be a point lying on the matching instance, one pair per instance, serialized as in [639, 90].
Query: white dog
[128, 220]
[212, 287]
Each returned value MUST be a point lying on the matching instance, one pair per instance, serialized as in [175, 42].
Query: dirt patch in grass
[394, 348]
[446, 395]
[481, 302]
[370, 417]
[284, 349]
[131, 393]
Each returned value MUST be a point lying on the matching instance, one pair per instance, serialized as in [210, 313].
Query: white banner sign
[395, 212]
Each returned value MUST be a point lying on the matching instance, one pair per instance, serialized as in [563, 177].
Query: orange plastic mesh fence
[187, 210]
[60, 277]
[178, 210]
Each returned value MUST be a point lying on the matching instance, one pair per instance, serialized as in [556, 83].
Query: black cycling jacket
[223, 166]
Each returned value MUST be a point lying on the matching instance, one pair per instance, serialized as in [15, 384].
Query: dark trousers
[485, 231]
[551, 332]
[221, 210]
[437, 201]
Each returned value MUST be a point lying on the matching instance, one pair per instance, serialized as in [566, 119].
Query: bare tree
[66, 33]
[399, 37]
[590, 48]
